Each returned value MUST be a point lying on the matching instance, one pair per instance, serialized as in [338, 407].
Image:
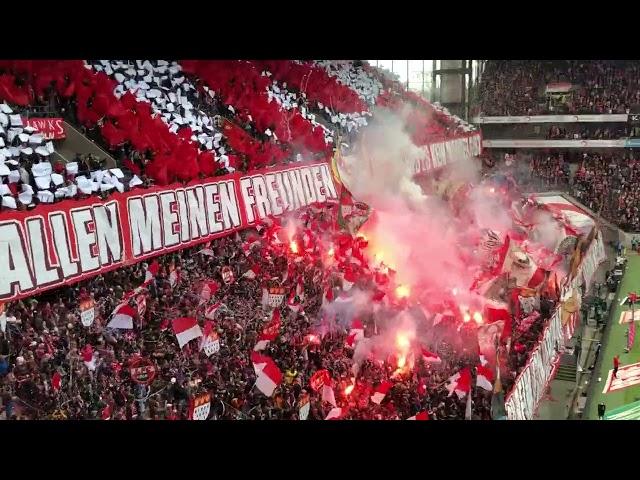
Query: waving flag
[294, 302]
[320, 379]
[122, 317]
[259, 361]
[269, 332]
[430, 357]
[269, 377]
[210, 340]
[355, 334]
[151, 272]
[484, 378]
[420, 416]
[328, 395]
[460, 383]
[334, 414]
[380, 392]
[186, 329]
[210, 312]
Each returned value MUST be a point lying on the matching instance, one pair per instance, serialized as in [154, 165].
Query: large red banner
[50, 128]
[76, 239]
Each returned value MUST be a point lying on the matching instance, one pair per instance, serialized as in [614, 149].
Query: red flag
[186, 329]
[484, 378]
[420, 416]
[319, 379]
[430, 357]
[56, 381]
[269, 377]
[106, 413]
[460, 383]
[380, 392]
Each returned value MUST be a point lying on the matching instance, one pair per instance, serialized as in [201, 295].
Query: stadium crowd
[604, 182]
[517, 87]
[51, 366]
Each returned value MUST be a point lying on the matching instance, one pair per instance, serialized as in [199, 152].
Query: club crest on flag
[275, 296]
[211, 344]
[87, 312]
[200, 407]
[142, 371]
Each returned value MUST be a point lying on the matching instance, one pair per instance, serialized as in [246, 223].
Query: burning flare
[293, 246]
[402, 291]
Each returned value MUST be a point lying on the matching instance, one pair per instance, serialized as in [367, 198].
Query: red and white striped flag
[122, 317]
[355, 334]
[259, 361]
[328, 395]
[269, 377]
[420, 416]
[186, 329]
[334, 414]
[151, 272]
[210, 312]
[484, 378]
[430, 357]
[253, 272]
[380, 392]
[460, 383]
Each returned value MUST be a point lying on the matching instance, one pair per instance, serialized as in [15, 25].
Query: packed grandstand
[298, 240]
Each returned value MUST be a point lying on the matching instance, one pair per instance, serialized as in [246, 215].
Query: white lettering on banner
[84, 227]
[16, 271]
[317, 185]
[298, 189]
[144, 222]
[268, 194]
[70, 241]
[439, 154]
[108, 228]
[168, 208]
[197, 212]
[327, 182]
[39, 253]
[61, 243]
[185, 229]
[475, 145]
[274, 194]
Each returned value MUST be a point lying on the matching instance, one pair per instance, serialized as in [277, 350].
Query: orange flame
[477, 317]
[293, 246]
[466, 317]
[348, 390]
[331, 252]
